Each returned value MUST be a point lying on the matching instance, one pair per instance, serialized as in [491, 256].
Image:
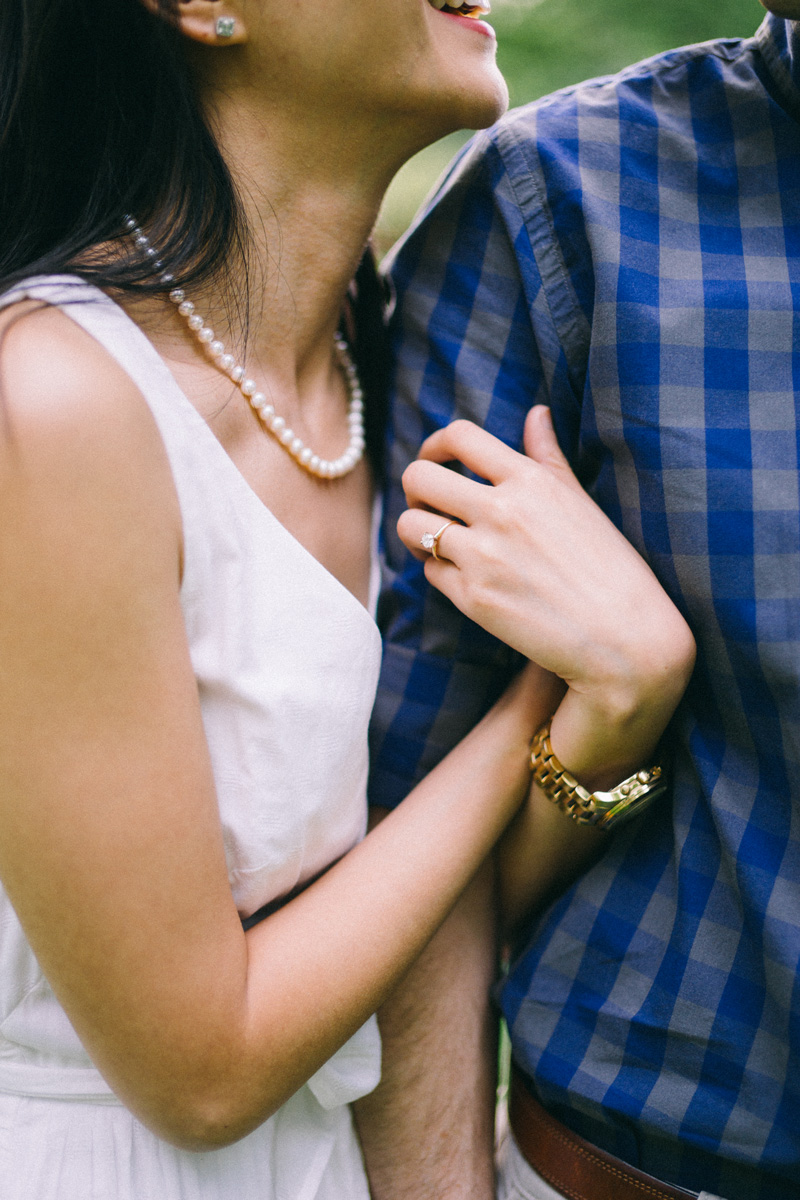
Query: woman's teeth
[477, 10]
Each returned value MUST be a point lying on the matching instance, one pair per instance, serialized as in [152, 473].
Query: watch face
[623, 808]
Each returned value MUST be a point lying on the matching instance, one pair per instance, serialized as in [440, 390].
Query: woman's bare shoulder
[53, 371]
[73, 425]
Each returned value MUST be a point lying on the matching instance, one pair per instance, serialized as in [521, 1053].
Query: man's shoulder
[665, 79]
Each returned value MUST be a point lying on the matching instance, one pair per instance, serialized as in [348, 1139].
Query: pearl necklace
[303, 455]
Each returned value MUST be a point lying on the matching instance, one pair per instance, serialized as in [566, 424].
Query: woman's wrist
[604, 734]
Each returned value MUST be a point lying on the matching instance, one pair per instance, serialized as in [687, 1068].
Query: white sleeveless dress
[286, 661]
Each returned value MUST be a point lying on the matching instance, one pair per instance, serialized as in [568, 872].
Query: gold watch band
[601, 809]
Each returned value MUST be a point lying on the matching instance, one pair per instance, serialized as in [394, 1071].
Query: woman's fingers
[429, 485]
[486, 456]
[416, 523]
[542, 445]
[479, 451]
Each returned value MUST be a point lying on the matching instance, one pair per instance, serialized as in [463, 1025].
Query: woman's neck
[310, 194]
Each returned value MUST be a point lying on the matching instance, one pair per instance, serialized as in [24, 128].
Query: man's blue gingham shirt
[628, 251]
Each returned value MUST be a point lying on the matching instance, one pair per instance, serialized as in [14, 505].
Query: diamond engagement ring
[430, 541]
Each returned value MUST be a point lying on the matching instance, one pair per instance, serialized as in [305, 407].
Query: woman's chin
[493, 108]
[474, 108]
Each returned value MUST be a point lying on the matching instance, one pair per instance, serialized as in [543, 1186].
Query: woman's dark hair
[98, 119]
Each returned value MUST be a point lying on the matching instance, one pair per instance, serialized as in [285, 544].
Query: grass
[544, 45]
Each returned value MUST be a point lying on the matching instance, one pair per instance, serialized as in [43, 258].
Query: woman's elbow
[201, 1118]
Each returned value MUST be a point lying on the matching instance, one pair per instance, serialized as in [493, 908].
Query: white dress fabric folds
[286, 661]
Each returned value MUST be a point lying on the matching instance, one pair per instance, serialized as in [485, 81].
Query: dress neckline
[158, 364]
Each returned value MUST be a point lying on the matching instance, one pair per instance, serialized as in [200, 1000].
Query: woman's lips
[467, 13]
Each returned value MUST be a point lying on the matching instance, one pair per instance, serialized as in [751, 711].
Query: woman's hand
[538, 564]
[535, 562]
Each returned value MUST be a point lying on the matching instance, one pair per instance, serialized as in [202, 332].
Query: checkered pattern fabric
[629, 252]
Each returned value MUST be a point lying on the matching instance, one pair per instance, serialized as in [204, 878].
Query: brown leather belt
[569, 1163]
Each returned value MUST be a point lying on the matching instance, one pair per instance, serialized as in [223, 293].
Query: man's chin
[783, 8]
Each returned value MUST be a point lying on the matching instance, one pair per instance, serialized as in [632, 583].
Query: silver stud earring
[225, 27]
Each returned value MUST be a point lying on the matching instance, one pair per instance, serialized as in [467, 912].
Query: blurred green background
[547, 44]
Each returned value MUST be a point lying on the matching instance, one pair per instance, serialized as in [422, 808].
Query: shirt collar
[778, 40]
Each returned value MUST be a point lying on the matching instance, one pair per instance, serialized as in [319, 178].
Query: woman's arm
[538, 564]
[110, 842]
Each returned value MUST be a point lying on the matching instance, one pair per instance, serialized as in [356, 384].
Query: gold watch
[604, 810]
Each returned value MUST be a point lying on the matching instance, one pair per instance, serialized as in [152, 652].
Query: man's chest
[690, 410]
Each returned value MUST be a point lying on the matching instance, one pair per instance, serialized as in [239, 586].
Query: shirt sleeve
[473, 337]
